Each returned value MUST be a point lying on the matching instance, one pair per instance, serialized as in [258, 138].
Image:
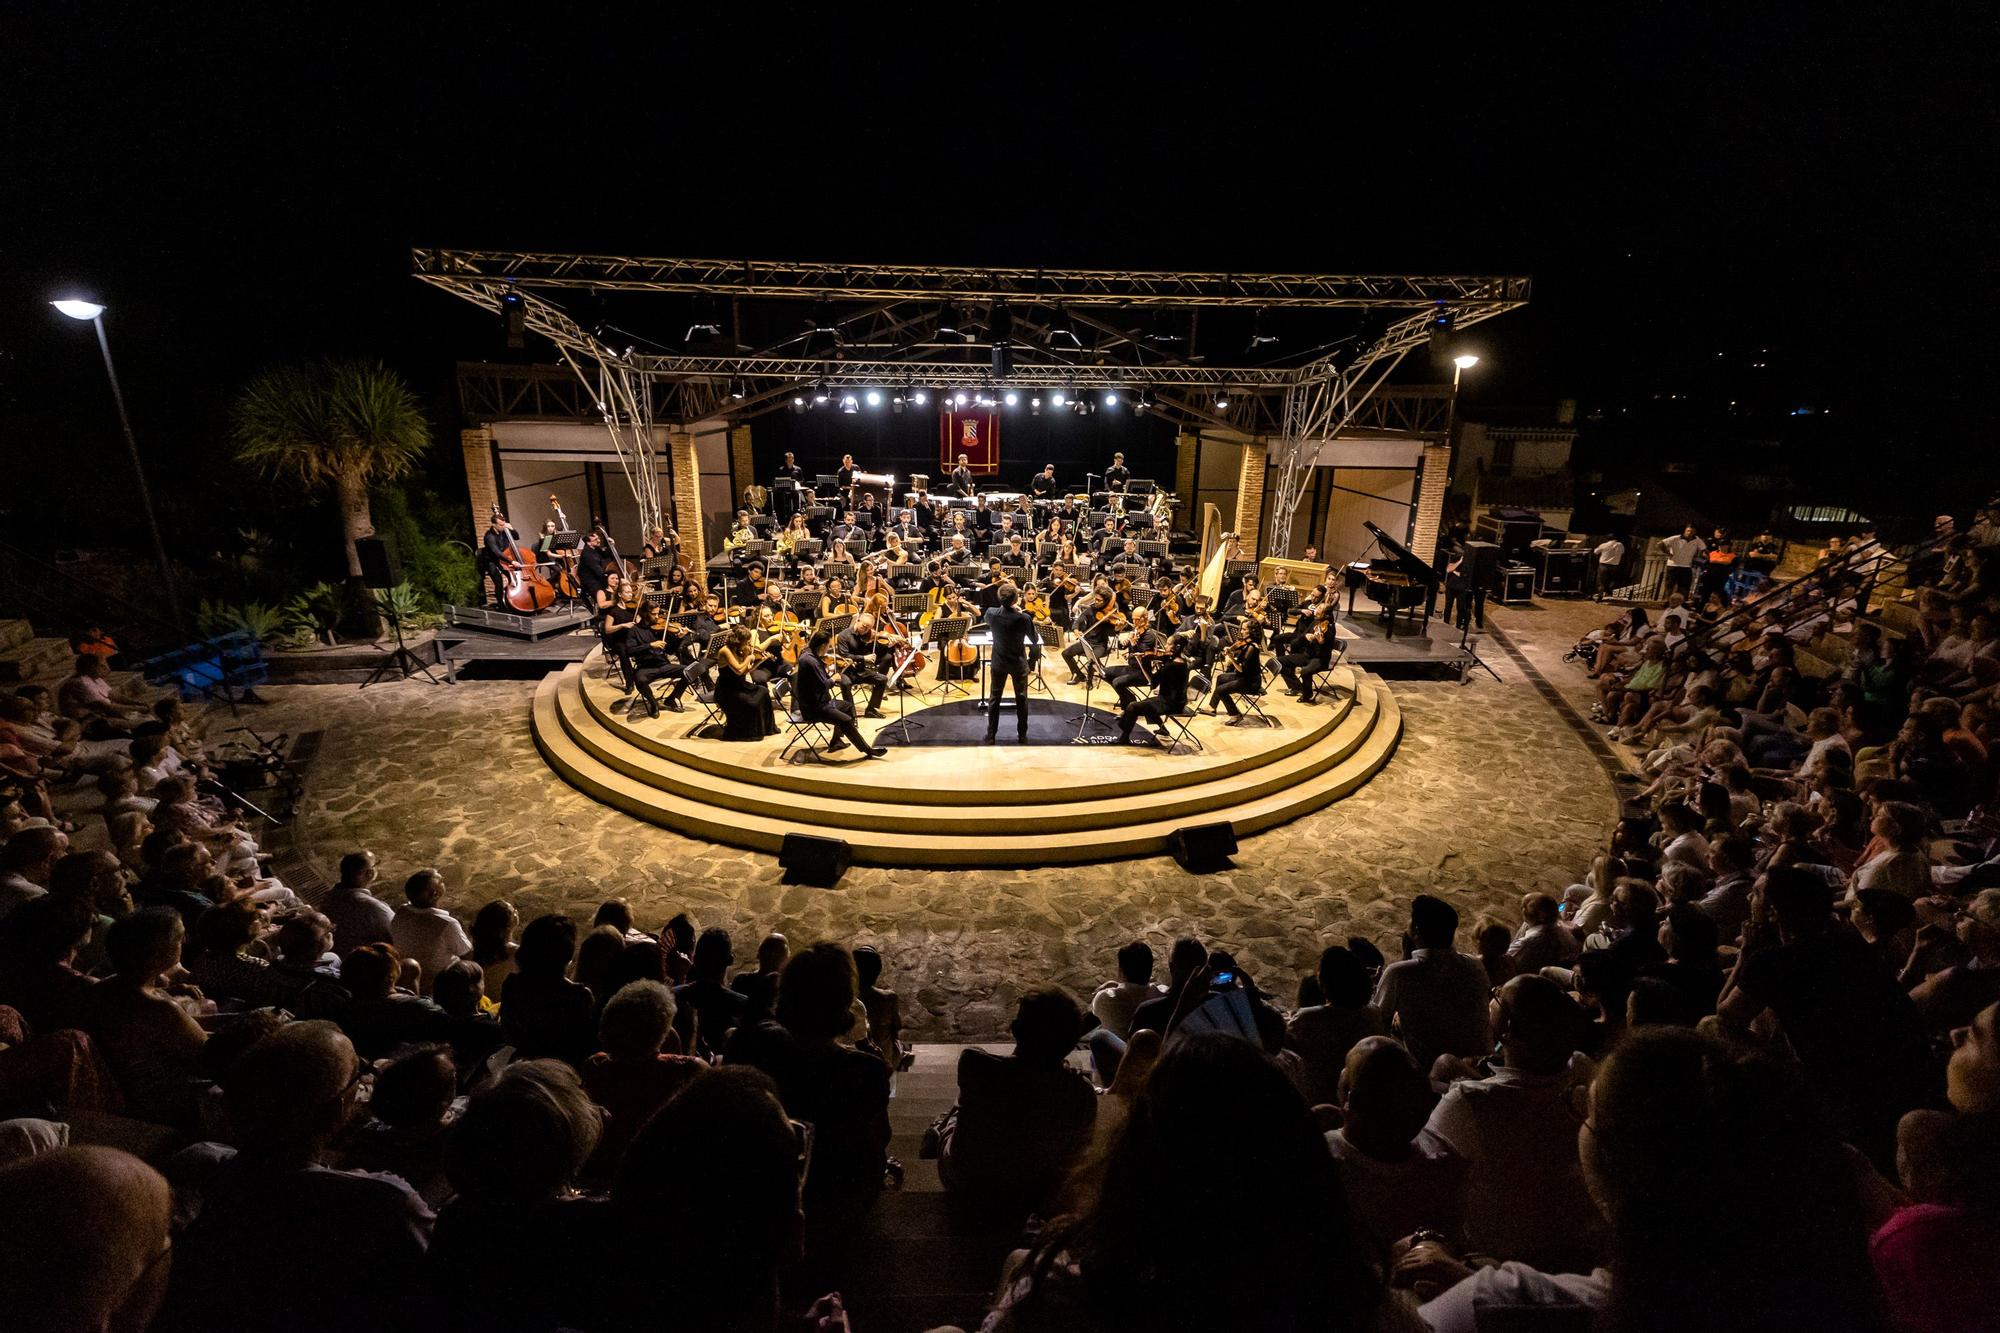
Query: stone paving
[1489, 795]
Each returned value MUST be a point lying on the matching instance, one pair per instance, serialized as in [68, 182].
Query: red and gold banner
[973, 432]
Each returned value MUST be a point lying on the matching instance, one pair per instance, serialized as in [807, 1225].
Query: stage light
[1012, 398]
[947, 320]
[798, 403]
[922, 398]
[1140, 404]
[874, 398]
[1061, 330]
[1258, 336]
[849, 403]
[1110, 398]
[820, 395]
[1056, 398]
[1465, 361]
[738, 390]
[1035, 405]
[85, 310]
[896, 404]
[514, 317]
[1222, 400]
[959, 398]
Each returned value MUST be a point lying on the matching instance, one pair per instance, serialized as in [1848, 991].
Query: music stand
[944, 630]
[907, 603]
[808, 549]
[902, 722]
[1087, 719]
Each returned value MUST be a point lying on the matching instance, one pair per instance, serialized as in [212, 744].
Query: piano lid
[1401, 557]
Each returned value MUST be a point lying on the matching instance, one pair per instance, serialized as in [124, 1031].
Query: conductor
[1016, 649]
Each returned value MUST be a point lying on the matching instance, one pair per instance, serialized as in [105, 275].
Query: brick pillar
[1250, 500]
[1184, 452]
[480, 484]
[742, 470]
[1432, 482]
[687, 495]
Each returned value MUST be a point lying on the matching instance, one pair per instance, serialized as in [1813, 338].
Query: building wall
[480, 483]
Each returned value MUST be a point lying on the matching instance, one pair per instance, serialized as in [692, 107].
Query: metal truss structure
[1060, 329]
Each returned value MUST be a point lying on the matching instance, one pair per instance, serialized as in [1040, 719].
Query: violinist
[812, 688]
[987, 595]
[1168, 671]
[756, 582]
[1097, 617]
[858, 644]
[1197, 629]
[746, 705]
[776, 633]
[1234, 602]
[1306, 653]
[1135, 643]
[1063, 595]
[496, 555]
[1242, 670]
[653, 652]
[616, 615]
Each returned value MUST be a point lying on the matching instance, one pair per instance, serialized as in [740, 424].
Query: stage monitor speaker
[816, 861]
[1202, 848]
[380, 567]
[1482, 565]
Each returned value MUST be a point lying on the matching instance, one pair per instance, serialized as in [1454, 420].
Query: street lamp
[94, 313]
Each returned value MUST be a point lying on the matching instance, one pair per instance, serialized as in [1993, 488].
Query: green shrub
[437, 564]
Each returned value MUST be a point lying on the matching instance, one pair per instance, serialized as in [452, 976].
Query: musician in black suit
[1043, 484]
[1016, 651]
[496, 558]
[1140, 639]
[1170, 689]
[1117, 474]
[786, 498]
[844, 478]
[961, 477]
[593, 567]
[1242, 670]
[812, 690]
[857, 643]
[1306, 653]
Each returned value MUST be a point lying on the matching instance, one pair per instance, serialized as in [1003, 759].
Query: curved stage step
[752, 809]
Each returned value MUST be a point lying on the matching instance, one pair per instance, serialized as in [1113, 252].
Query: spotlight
[513, 317]
[922, 397]
[947, 320]
[1465, 361]
[820, 395]
[1056, 398]
[798, 403]
[874, 398]
[1061, 331]
[896, 404]
[1012, 398]
[1222, 400]
[1035, 405]
[1141, 404]
[849, 403]
[1258, 336]
[738, 390]
[959, 398]
[1110, 398]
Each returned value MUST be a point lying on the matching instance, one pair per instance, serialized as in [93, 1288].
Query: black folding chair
[1322, 681]
[814, 737]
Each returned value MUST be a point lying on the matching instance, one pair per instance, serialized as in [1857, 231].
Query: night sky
[1811, 186]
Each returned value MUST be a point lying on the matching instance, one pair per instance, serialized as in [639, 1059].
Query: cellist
[496, 555]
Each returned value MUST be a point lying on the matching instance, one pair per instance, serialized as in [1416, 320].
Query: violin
[1036, 603]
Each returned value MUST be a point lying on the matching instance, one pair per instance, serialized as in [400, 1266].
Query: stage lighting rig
[1260, 336]
[849, 403]
[947, 320]
[1061, 332]
[514, 318]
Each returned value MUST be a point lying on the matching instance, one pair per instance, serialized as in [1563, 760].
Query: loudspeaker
[380, 567]
[1203, 847]
[1482, 565]
[816, 861]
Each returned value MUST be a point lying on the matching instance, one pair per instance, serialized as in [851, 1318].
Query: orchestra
[819, 599]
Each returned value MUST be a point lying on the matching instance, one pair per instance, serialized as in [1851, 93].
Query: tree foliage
[328, 422]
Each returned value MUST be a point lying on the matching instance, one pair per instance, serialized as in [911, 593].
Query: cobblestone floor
[1489, 795]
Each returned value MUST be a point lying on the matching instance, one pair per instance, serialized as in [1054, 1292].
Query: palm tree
[347, 425]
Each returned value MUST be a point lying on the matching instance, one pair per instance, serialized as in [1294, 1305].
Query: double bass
[526, 590]
[565, 561]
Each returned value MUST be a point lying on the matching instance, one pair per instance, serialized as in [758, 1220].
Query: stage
[968, 804]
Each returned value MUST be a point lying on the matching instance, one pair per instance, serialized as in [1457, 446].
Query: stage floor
[1005, 804]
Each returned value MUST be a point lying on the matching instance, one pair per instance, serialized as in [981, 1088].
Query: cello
[526, 590]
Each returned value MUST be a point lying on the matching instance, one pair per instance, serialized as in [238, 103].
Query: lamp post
[94, 313]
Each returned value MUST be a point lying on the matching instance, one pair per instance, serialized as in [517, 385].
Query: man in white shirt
[1543, 940]
[423, 932]
[1610, 558]
[1115, 1001]
[358, 916]
[25, 864]
[1437, 995]
[1525, 1196]
[1681, 553]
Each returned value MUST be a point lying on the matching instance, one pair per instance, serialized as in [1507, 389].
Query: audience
[635, 1071]
[1435, 996]
[424, 932]
[1115, 1001]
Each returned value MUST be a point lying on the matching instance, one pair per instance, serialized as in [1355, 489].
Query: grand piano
[1397, 580]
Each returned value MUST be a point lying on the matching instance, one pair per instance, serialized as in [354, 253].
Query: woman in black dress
[746, 705]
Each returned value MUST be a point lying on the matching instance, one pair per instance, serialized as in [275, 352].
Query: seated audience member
[515, 1220]
[1857, 1033]
[1398, 1175]
[1628, 944]
[493, 946]
[598, 956]
[759, 985]
[726, 1147]
[423, 932]
[1543, 940]
[26, 862]
[86, 697]
[1727, 902]
[410, 1112]
[1692, 968]
[1324, 1033]
[1525, 1196]
[1184, 960]
[882, 1006]
[460, 991]
[358, 1239]
[227, 958]
[1951, 998]
[358, 916]
[617, 913]
[1436, 996]
[87, 1241]
[706, 1008]
[546, 1015]
[39, 979]
[1902, 866]
[1934, 1254]
[1114, 1002]
[1492, 938]
[843, 1093]
[635, 1070]
[143, 1031]
[1215, 1134]
[1692, 1151]
[379, 1017]
[1022, 1119]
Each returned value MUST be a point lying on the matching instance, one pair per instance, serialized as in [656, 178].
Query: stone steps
[37, 659]
[1051, 841]
[14, 633]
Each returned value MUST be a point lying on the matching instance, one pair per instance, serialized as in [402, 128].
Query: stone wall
[480, 483]
[687, 495]
[1432, 482]
[1250, 500]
